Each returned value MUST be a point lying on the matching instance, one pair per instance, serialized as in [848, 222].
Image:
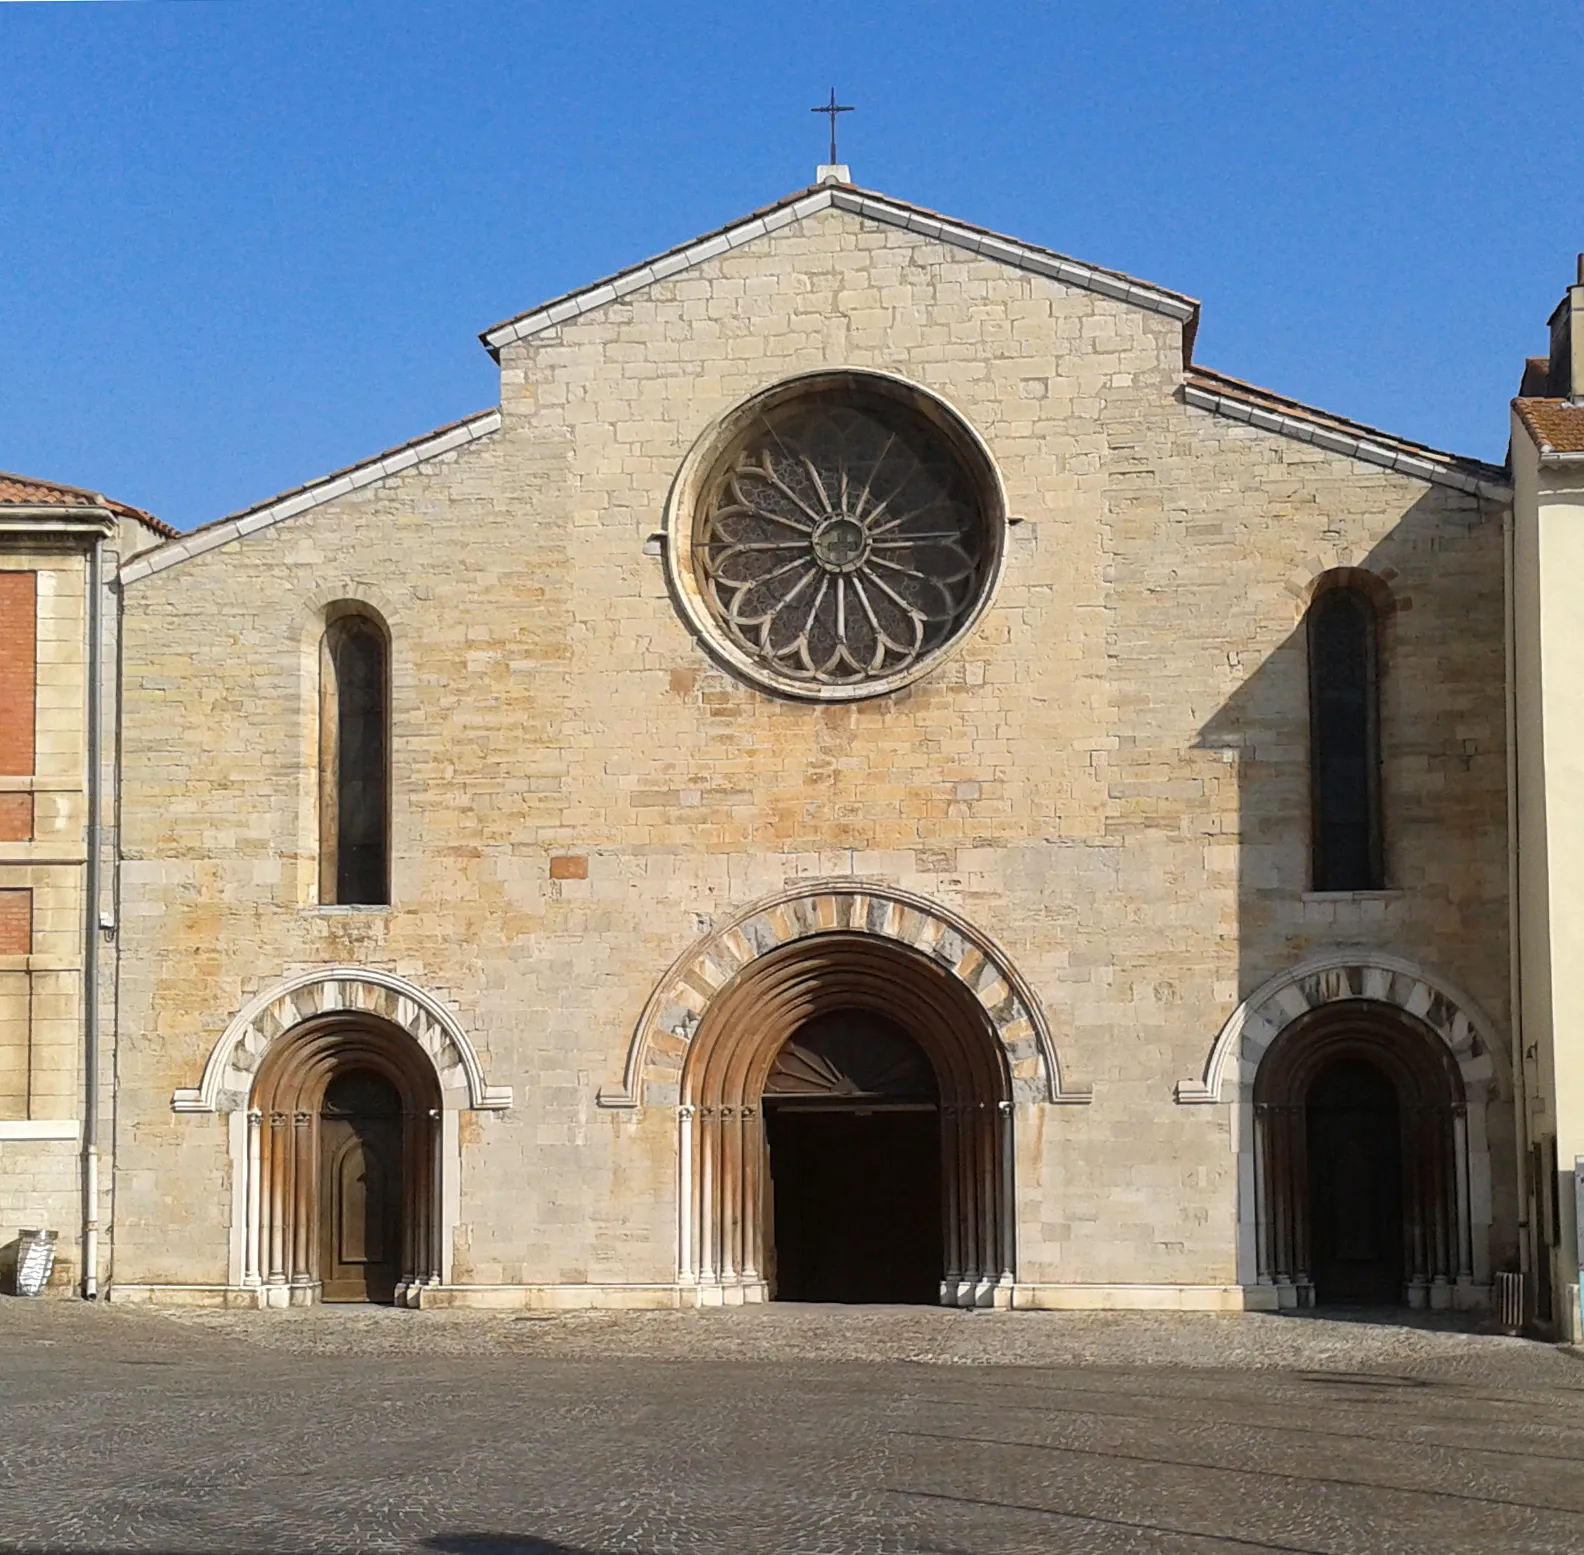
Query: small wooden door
[360, 1188]
[1355, 1185]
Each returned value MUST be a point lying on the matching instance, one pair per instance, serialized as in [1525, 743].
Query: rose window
[841, 541]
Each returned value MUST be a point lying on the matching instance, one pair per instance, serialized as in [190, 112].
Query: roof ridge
[863, 202]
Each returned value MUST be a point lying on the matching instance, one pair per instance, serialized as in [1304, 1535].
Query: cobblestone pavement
[826, 1431]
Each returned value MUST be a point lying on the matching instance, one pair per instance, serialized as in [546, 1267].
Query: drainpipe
[90, 1155]
[1526, 1215]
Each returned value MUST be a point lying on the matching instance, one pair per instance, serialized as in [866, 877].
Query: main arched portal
[347, 1163]
[1362, 1157]
[846, 1131]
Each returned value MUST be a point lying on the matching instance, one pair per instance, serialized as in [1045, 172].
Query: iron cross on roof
[832, 108]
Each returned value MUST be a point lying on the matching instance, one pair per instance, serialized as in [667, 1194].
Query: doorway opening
[1355, 1184]
[853, 1126]
[846, 1132]
[347, 1117]
[1361, 1150]
[360, 1188]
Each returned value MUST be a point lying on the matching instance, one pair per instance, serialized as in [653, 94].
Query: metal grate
[1510, 1301]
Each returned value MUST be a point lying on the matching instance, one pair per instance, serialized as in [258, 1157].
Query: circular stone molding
[834, 536]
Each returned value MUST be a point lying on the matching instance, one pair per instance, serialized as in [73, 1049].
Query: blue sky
[244, 243]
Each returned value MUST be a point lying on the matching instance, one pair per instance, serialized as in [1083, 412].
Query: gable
[880, 208]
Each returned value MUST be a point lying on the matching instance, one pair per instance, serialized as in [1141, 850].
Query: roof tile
[1555, 425]
[25, 491]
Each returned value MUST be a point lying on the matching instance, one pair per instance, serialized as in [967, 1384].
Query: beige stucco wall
[1109, 778]
[1548, 512]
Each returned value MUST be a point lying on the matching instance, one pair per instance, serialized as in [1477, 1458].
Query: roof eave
[1488, 481]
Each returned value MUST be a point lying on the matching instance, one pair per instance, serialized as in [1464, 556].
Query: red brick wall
[16, 817]
[18, 670]
[16, 923]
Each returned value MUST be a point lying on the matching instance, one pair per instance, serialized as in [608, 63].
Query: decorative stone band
[233, 1063]
[660, 1041]
[1331, 979]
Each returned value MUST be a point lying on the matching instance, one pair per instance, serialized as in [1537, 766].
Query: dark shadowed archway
[1361, 1155]
[740, 1061]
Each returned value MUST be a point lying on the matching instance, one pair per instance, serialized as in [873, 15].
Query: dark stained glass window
[1344, 743]
[357, 785]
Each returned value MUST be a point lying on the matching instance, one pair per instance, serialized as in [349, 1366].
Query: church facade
[869, 775]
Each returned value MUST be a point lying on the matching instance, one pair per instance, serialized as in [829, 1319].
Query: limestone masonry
[1081, 843]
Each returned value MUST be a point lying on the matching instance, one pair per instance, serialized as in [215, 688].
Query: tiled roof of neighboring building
[24, 491]
[1556, 426]
[1278, 413]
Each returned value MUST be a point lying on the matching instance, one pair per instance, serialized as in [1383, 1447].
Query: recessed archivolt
[1332, 979]
[653, 1072]
[234, 1061]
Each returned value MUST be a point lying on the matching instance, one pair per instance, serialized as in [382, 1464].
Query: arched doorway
[867, 1020]
[347, 1163]
[1361, 1151]
[852, 1123]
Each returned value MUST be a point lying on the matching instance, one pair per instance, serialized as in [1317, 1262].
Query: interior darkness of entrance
[853, 1129]
[1355, 1184]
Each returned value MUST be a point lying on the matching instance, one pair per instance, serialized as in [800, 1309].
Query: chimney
[1566, 379]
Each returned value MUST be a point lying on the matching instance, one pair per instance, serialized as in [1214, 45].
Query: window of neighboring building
[354, 793]
[1344, 742]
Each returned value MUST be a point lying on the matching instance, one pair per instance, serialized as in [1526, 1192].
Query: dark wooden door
[1355, 1185]
[857, 1204]
[360, 1189]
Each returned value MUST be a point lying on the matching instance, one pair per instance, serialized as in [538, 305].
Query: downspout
[90, 1153]
[1526, 1239]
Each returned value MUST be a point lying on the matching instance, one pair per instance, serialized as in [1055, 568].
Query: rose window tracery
[841, 540]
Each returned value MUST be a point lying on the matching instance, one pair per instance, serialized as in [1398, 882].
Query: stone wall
[1109, 778]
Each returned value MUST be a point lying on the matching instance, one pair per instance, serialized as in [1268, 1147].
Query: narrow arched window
[354, 763]
[1344, 742]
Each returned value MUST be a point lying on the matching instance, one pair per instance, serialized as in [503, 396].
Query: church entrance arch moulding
[268, 1073]
[1444, 1062]
[708, 1041]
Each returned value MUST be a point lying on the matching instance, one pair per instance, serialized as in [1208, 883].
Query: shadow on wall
[1436, 585]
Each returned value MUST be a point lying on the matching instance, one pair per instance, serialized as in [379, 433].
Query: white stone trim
[1351, 974]
[1250, 411]
[371, 471]
[875, 207]
[40, 1128]
[843, 905]
[1334, 978]
[233, 1062]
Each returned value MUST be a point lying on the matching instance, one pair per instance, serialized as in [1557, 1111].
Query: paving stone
[650, 1433]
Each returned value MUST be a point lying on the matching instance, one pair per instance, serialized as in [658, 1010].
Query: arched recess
[1434, 1225]
[970, 958]
[282, 1241]
[356, 996]
[724, 1178]
[1348, 983]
